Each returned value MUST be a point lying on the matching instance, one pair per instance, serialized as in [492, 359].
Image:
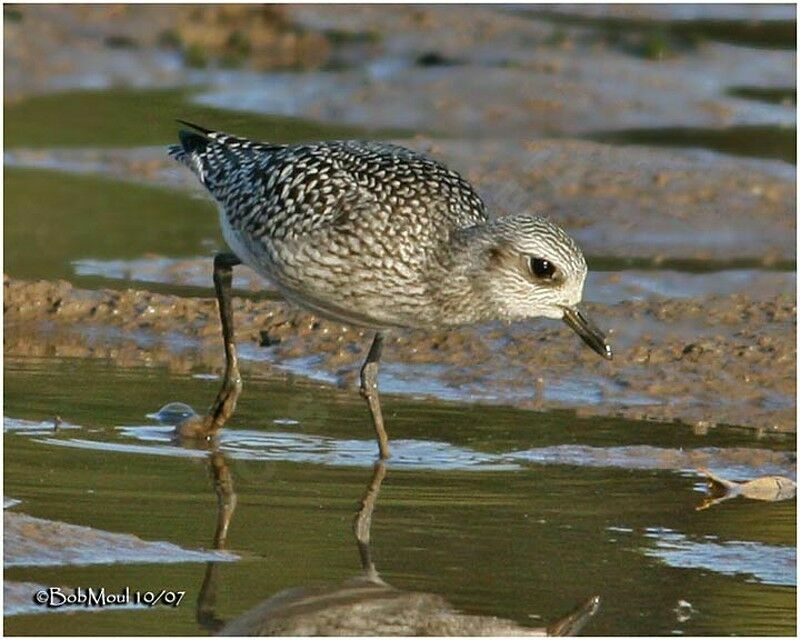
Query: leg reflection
[363, 605]
[226, 504]
[363, 522]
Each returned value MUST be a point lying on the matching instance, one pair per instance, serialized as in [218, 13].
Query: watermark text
[91, 597]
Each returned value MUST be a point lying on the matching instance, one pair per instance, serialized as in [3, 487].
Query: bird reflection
[364, 605]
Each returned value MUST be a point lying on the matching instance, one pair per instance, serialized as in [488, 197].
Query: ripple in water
[740, 463]
[764, 563]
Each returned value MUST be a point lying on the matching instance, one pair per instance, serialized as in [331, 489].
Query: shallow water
[760, 141]
[680, 33]
[503, 512]
[59, 120]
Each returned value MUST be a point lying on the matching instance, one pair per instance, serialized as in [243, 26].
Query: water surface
[503, 512]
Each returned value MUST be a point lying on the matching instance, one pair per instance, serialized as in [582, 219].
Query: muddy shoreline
[715, 360]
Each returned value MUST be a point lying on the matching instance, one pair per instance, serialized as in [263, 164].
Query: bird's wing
[290, 190]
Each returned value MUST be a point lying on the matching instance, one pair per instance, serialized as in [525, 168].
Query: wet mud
[29, 541]
[536, 77]
[715, 360]
[52, 47]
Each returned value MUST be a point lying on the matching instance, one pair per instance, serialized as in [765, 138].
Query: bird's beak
[587, 330]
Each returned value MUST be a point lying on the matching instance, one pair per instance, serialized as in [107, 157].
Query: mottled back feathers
[285, 191]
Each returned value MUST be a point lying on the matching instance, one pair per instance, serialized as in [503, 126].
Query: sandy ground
[718, 360]
[50, 47]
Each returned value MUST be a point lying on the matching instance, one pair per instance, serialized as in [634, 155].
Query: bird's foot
[198, 428]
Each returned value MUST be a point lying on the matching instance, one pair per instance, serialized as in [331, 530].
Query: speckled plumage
[375, 234]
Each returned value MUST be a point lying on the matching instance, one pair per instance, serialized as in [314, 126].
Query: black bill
[588, 331]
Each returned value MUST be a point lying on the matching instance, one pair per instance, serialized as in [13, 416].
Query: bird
[377, 236]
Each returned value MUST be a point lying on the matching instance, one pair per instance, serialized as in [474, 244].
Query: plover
[378, 236]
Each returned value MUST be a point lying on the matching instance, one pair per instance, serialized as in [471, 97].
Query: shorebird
[377, 236]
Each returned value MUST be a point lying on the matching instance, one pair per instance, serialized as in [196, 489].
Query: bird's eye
[542, 269]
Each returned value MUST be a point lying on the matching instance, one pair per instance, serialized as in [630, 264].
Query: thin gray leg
[369, 390]
[225, 402]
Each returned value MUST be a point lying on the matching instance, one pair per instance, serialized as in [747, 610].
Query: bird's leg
[363, 522]
[369, 390]
[225, 402]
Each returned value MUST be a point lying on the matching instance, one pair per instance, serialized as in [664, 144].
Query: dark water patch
[436, 59]
[339, 37]
[53, 218]
[686, 265]
[121, 42]
[12, 14]
[663, 36]
[773, 95]
[128, 117]
[759, 141]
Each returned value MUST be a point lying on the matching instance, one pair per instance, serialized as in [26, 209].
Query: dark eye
[542, 269]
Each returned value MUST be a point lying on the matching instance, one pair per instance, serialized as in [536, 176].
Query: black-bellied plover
[377, 236]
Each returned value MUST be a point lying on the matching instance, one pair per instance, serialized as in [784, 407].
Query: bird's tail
[208, 153]
[193, 149]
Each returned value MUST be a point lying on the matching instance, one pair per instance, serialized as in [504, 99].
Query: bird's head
[527, 266]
